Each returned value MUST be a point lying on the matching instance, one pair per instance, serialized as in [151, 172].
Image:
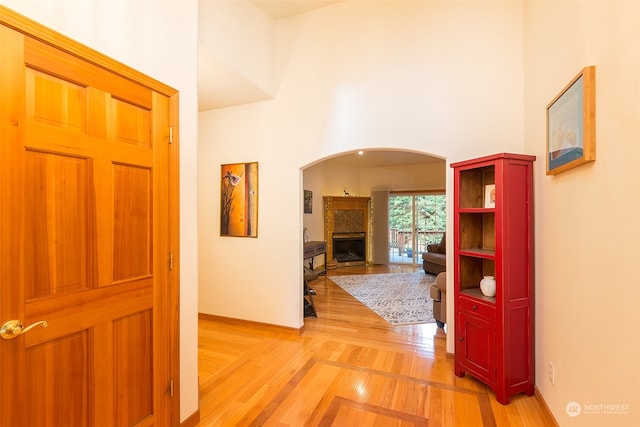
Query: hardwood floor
[348, 368]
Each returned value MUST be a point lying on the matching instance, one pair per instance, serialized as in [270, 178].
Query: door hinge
[171, 388]
[170, 260]
[170, 134]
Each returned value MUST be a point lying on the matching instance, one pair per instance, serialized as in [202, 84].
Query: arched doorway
[360, 174]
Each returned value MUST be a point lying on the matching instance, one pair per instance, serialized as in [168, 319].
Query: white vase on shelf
[488, 286]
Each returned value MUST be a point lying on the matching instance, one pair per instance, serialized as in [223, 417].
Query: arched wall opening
[355, 174]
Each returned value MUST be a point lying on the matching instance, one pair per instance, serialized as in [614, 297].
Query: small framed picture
[490, 196]
[308, 201]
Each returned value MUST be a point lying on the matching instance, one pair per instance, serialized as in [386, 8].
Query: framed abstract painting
[239, 200]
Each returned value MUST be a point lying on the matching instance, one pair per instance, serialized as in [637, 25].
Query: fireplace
[347, 229]
[349, 249]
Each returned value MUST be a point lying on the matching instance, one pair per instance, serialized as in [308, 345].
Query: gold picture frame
[571, 124]
[239, 200]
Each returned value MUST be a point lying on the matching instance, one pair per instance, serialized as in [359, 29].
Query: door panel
[54, 101]
[132, 222]
[132, 370]
[131, 123]
[63, 367]
[57, 249]
[85, 218]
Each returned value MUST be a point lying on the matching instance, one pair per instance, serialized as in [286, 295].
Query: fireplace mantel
[346, 215]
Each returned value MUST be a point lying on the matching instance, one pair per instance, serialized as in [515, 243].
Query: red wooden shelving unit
[495, 335]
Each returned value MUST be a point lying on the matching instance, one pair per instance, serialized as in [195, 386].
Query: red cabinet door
[477, 346]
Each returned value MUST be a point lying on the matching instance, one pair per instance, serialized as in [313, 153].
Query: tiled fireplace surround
[347, 215]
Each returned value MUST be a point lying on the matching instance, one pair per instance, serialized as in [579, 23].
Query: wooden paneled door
[87, 210]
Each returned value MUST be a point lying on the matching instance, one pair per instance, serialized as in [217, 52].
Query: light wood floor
[348, 368]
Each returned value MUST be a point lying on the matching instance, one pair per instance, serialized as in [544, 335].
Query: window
[415, 221]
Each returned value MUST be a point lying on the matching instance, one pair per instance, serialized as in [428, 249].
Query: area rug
[399, 298]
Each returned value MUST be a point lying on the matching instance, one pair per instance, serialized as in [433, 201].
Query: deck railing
[402, 240]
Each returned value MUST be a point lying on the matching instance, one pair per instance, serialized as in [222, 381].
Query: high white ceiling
[235, 91]
[279, 9]
[220, 86]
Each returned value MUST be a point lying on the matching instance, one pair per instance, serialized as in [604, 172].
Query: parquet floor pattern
[348, 368]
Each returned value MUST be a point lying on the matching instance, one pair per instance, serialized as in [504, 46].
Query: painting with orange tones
[239, 200]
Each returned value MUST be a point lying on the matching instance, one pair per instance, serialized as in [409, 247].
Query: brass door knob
[13, 328]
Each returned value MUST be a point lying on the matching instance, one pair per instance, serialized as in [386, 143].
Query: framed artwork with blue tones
[571, 124]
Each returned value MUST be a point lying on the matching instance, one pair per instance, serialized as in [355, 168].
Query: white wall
[428, 176]
[338, 180]
[358, 74]
[251, 56]
[587, 234]
[361, 181]
[235, 66]
[136, 33]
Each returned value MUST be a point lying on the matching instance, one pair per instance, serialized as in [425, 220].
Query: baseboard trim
[544, 405]
[192, 421]
[242, 322]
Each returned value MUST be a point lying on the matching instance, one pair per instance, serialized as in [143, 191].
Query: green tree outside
[431, 218]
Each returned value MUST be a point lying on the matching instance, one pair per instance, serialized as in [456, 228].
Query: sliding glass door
[415, 221]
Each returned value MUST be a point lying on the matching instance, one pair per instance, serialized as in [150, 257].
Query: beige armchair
[438, 293]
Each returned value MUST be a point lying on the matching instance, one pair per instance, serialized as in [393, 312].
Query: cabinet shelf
[494, 335]
[477, 293]
[479, 253]
[477, 210]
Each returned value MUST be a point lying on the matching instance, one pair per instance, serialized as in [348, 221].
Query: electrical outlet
[552, 373]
